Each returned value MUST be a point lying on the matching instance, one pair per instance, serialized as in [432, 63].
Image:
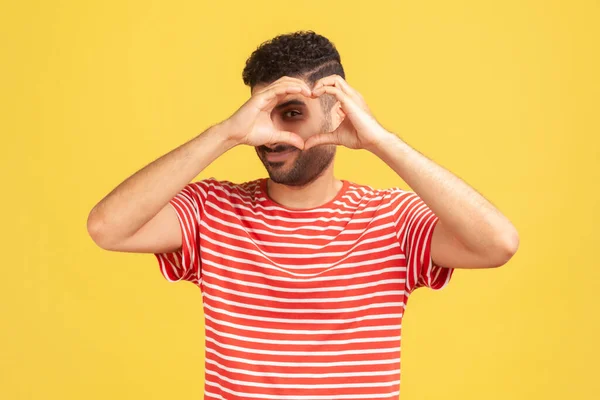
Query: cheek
[309, 127]
[304, 127]
[309, 130]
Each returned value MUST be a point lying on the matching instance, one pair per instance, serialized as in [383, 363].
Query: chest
[344, 265]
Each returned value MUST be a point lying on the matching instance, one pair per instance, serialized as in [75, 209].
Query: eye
[291, 113]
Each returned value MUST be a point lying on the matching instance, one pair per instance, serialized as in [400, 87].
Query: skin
[306, 117]
[306, 179]
[471, 233]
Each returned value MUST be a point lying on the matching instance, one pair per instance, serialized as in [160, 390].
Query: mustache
[276, 149]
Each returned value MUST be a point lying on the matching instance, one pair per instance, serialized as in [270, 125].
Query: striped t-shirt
[302, 304]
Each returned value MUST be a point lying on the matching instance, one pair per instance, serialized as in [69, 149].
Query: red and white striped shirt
[302, 304]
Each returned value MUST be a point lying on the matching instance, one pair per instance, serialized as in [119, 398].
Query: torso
[301, 304]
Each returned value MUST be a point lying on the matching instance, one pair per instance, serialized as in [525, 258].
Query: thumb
[289, 138]
[322, 138]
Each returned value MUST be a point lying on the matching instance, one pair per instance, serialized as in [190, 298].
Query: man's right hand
[252, 125]
[136, 216]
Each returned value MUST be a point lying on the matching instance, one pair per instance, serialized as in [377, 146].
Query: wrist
[385, 141]
[223, 133]
[391, 148]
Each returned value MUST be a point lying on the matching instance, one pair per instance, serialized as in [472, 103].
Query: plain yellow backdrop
[503, 94]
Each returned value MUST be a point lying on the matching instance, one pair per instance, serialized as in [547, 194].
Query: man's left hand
[358, 128]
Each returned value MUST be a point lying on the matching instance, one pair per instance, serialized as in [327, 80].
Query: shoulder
[369, 193]
[224, 188]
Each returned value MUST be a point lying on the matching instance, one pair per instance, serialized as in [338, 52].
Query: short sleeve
[185, 263]
[415, 223]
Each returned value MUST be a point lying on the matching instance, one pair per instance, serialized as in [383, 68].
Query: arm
[471, 232]
[136, 215]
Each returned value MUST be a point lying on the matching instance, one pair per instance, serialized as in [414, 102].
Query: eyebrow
[293, 102]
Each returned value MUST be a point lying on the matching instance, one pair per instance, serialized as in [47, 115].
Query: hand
[358, 129]
[252, 124]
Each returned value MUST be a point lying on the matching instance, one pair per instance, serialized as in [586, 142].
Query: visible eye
[291, 113]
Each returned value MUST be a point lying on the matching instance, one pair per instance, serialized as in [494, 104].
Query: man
[304, 277]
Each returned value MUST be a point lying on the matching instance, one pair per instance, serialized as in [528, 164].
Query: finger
[286, 80]
[322, 138]
[294, 80]
[340, 83]
[268, 99]
[349, 106]
[283, 89]
[337, 81]
[287, 137]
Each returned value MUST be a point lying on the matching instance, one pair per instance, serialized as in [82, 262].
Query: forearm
[141, 196]
[473, 220]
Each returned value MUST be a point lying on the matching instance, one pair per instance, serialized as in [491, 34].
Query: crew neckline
[270, 201]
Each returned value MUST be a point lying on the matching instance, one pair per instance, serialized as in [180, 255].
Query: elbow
[96, 229]
[507, 247]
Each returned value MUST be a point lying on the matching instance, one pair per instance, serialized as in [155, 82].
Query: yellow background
[503, 94]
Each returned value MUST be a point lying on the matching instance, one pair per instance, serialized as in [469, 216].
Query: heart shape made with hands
[356, 127]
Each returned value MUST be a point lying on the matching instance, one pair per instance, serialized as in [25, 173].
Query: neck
[314, 194]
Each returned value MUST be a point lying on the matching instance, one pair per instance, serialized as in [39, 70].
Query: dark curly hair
[302, 54]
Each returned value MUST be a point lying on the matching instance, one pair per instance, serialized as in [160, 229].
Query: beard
[307, 166]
